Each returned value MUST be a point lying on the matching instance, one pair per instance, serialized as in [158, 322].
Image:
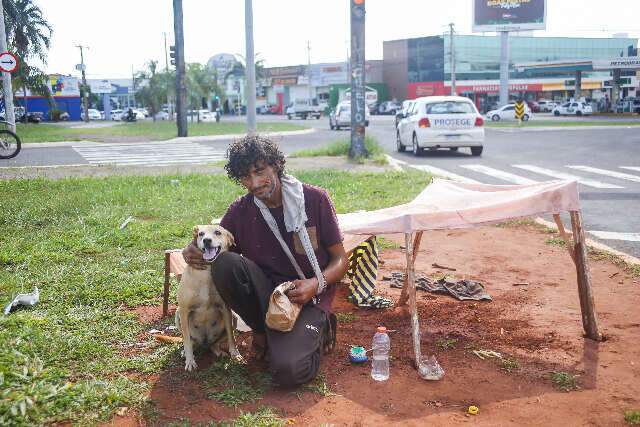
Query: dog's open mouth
[211, 253]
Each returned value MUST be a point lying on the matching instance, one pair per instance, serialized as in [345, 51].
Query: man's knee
[289, 371]
[227, 268]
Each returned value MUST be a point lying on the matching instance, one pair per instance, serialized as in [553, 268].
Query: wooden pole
[587, 306]
[565, 236]
[167, 282]
[415, 325]
[404, 296]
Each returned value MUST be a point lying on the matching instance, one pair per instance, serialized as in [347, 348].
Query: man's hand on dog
[304, 291]
[193, 256]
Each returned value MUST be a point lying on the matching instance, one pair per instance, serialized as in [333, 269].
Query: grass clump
[565, 381]
[346, 317]
[632, 417]
[320, 386]
[446, 343]
[509, 365]
[263, 417]
[341, 148]
[387, 244]
[231, 383]
[598, 255]
[555, 241]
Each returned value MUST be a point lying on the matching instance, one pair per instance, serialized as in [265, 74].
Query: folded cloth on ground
[460, 289]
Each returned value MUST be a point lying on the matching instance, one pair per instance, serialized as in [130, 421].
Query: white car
[508, 112]
[441, 122]
[573, 108]
[389, 107]
[406, 106]
[162, 115]
[93, 114]
[341, 116]
[115, 114]
[546, 106]
[207, 116]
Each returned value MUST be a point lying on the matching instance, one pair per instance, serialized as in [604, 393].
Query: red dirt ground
[537, 325]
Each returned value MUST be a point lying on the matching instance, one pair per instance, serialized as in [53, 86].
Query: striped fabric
[363, 269]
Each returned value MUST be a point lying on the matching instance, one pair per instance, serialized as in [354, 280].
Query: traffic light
[357, 9]
[172, 54]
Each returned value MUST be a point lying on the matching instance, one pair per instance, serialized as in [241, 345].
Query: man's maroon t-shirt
[255, 240]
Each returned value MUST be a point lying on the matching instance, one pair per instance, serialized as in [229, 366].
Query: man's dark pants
[294, 357]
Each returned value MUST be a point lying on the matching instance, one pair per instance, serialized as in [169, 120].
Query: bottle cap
[382, 329]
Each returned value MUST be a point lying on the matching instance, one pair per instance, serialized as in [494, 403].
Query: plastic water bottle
[380, 359]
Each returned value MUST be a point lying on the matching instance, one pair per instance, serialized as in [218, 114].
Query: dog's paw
[190, 365]
[237, 357]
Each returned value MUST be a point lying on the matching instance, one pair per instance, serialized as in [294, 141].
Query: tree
[154, 87]
[201, 84]
[29, 36]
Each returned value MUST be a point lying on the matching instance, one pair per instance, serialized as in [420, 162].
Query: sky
[123, 35]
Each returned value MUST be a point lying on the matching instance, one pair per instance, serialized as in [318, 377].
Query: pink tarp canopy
[447, 204]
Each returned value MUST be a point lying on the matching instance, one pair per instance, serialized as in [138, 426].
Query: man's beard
[265, 192]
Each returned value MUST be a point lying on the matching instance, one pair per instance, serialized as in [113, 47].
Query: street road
[605, 162]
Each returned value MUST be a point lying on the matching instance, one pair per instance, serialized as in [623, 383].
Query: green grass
[319, 386]
[632, 269]
[72, 357]
[509, 365]
[341, 148]
[632, 417]
[565, 381]
[387, 244]
[446, 343]
[346, 317]
[263, 417]
[557, 123]
[555, 241]
[231, 383]
[141, 131]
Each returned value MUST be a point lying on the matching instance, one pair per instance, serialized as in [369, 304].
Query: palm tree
[154, 87]
[201, 84]
[29, 36]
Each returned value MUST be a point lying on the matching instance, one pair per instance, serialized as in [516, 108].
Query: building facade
[422, 67]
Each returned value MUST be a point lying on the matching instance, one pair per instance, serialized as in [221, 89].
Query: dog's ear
[230, 239]
[196, 230]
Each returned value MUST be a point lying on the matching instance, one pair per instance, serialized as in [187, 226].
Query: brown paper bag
[282, 313]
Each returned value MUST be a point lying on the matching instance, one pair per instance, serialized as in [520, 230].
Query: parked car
[546, 106]
[533, 106]
[341, 116]
[31, 116]
[143, 111]
[93, 114]
[162, 115]
[508, 112]
[303, 108]
[573, 108]
[635, 106]
[435, 122]
[406, 106]
[116, 114]
[388, 107]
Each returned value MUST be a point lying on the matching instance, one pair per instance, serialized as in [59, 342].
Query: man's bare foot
[330, 339]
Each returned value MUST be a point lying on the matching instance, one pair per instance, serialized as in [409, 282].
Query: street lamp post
[251, 68]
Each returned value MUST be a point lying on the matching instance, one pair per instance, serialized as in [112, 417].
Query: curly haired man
[247, 275]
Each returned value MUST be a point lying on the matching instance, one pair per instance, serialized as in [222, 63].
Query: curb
[560, 128]
[201, 138]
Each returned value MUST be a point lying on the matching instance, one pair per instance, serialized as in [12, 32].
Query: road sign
[8, 62]
[519, 110]
[81, 67]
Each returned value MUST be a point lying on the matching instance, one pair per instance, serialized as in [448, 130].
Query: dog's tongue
[210, 253]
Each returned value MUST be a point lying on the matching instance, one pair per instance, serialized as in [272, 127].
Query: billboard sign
[509, 15]
[623, 63]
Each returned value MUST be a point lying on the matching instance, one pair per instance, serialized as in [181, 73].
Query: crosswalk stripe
[150, 154]
[631, 168]
[605, 172]
[562, 175]
[445, 174]
[505, 176]
[611, 235]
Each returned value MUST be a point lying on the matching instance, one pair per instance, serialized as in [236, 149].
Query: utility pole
[357, 148]
[504, 68]
[84, 91]
[6, 77]
[181, 90]
[166, 55]
[251, 68]
[309, 70]
[453, 59]
[133, 85]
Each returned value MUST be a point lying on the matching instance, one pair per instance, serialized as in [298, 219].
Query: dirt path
[538, 326]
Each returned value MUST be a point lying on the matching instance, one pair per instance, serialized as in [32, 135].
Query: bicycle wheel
[9, 144]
